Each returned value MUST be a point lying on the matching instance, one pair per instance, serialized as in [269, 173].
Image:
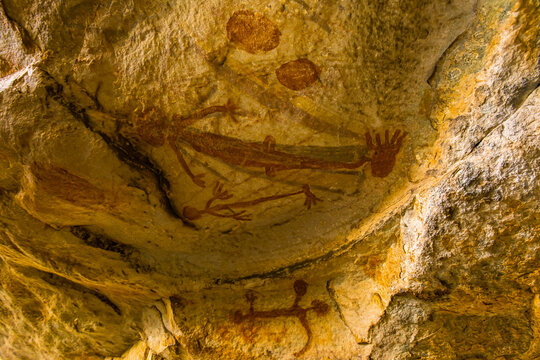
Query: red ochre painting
[320, 308]
[252, 32]
[298, 74]
[266, 155]
[256, 34]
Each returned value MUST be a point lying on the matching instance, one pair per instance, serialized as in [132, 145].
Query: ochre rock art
[228, 108]
[298, 74]
[48, 191]
[428, 249]
[66, 186]
[265, 155]
[252, 32]
[227, 210]
[151, 127]
[384, 155]
[295, 310]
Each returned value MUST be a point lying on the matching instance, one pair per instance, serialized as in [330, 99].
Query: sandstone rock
[179, 181]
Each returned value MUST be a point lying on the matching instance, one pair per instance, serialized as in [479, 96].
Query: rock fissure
[26, 39]
[445, 52]
[125, 151]
[332, 295]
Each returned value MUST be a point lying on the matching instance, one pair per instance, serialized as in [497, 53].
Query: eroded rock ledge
[269, 180]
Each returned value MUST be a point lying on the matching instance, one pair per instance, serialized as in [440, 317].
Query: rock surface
[269, 180]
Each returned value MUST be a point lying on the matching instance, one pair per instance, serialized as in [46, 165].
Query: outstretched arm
[219, 194]
[181, 122]
[228, 108]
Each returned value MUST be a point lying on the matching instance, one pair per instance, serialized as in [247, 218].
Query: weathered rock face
[269, 180]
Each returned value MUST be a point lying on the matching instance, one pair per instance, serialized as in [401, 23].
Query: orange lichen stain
[252, 32]
[372, 264]
[389, 272]
[528, 40]
[384, 268]
[456, 101]
[521, 29]
[298, 74]
[519, 33]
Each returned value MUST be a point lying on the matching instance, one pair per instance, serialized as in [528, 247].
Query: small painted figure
[227, 210]
[295, 310]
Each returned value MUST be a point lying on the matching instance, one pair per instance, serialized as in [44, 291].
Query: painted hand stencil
[295, 310]
[227, 210]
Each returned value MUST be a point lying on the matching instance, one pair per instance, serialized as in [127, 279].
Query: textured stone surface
[269, 180]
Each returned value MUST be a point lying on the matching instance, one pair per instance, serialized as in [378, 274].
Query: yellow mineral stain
[519, 32]
[315, 110]
[376, 299]
[391, 269]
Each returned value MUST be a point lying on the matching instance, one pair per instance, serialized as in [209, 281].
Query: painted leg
[305, 324]
[269, 145]
[197, 179]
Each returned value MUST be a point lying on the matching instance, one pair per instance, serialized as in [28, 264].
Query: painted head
[300, 287]
[150, 125]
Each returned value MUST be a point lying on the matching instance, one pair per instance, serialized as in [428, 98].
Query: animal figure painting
[295, 310]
